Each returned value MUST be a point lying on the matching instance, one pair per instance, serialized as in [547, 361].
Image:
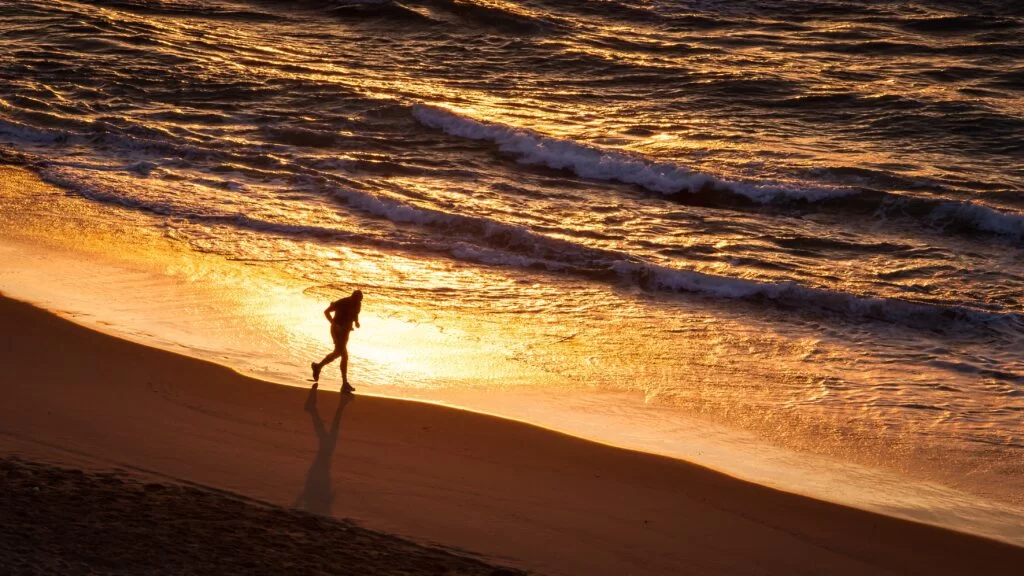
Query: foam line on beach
[484, 241]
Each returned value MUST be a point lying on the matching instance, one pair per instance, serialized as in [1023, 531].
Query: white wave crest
[20, 132]
[904, 312]
[980, 217]
[599, 164]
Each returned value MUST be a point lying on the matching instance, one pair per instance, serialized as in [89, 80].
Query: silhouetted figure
[346, 315]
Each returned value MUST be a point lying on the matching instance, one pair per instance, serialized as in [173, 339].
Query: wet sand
[517, 494]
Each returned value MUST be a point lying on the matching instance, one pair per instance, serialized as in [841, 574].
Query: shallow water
[799, 221]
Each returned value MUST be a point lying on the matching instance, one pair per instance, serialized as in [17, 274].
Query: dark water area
[846, 177]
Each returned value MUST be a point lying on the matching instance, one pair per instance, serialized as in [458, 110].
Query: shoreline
[518, 494]
[72, 255]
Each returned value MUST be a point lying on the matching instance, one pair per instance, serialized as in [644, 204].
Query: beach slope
[517, 494]
[56, 520]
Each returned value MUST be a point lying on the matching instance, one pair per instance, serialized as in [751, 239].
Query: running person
[346, 315]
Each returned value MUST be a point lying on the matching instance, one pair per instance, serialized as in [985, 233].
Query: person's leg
[329, 358]
[340, 338]
[345, 386]
[318, 366]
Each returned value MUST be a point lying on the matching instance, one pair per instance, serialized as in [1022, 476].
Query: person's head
[358, 294]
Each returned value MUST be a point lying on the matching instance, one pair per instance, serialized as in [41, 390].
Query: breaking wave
[591, 162]
[678, 182]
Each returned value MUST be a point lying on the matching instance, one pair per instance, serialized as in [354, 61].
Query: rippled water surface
[803, 220]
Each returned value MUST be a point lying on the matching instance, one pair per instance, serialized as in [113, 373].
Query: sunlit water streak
[797, 220]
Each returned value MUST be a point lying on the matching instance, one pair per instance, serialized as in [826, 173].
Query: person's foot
[347, 388]
[316, 371]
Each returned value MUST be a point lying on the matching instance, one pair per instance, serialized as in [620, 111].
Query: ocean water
[802, 221]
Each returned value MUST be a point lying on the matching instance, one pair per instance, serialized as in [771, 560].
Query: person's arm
[358, 308]
[327, 313]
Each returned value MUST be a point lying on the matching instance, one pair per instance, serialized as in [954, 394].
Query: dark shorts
[340, 336]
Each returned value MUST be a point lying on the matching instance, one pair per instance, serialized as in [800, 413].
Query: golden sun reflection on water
[260, 320]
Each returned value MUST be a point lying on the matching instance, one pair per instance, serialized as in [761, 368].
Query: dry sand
[62, 521]
[518, 494]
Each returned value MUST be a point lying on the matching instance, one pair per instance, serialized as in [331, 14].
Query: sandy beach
[515, 494]
[62, 521]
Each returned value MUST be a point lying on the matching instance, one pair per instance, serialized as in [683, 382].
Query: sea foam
[790, 294]
[484, 241]
[601, 164]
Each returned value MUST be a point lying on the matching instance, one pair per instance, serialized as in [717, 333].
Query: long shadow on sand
[316, 495]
